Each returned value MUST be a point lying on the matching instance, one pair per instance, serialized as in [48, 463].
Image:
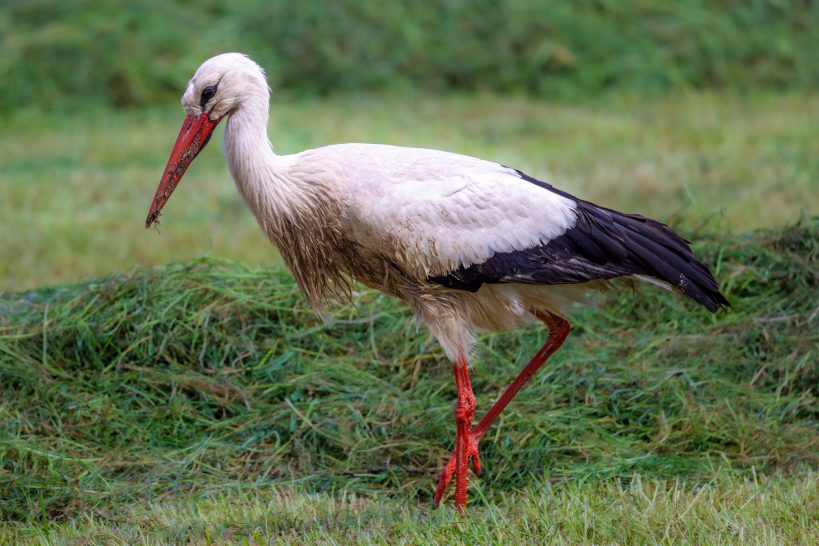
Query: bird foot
[449, 470]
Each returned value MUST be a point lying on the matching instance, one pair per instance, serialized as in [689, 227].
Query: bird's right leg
[464, 410]
[558, 330]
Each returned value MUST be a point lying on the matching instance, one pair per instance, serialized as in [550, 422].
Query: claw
[473, 454]
[449, 470]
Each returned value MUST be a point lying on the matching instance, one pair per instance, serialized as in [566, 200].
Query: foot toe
[449, 470]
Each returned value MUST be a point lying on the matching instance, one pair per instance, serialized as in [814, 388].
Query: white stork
[469, 245]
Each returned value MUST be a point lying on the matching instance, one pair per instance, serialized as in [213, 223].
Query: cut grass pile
[211, 383]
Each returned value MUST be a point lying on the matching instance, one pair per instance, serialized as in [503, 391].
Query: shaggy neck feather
[295, 214]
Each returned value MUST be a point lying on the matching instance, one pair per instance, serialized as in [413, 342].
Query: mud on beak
[194, 135]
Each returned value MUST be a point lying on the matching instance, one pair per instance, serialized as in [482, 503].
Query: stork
[470, 245]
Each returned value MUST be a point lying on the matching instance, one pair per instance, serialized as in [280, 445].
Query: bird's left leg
[464, 447]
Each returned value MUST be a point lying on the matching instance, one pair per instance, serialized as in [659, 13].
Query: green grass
[202, 402]
[77, 186]
[731, 510]
[58, 53]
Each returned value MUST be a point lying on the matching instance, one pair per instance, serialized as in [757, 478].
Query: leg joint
[558, 326]
[465, 408]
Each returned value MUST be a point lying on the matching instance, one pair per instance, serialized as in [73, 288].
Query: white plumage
[439, 210]
[469, 244]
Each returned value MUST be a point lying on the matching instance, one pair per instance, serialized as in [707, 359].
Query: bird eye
[207, 94]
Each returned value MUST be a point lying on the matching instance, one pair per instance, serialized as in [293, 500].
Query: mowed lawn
[76, 186]
[202, 402]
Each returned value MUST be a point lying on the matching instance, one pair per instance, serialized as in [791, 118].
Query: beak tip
[151, 219]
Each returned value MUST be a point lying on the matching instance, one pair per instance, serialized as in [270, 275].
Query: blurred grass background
[693, 112]
[78, 186]
[137, 52]
[194, 402]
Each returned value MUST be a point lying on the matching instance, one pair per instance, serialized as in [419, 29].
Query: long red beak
[192, 139]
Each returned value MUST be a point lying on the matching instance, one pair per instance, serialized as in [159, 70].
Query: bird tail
[647, 248]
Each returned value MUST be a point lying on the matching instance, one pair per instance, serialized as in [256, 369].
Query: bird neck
[295, 212]
[261, 176]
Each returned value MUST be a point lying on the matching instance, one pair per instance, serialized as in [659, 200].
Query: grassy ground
[203, 403]
[731, 510]
[76, 187]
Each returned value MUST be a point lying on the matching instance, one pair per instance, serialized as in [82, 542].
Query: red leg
[464, 411]
[558, 330]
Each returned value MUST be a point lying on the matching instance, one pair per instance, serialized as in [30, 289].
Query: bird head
[218, 88]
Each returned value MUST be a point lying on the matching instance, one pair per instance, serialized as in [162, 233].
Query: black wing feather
[603, 244]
